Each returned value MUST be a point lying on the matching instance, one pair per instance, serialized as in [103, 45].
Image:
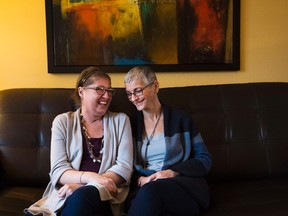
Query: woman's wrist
[81, 178]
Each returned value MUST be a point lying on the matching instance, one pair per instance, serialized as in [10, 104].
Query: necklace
[150, 138]
[90, 145]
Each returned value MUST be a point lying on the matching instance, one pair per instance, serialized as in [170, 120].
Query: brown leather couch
[245, 127]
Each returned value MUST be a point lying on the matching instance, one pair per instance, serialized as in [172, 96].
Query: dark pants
[85, 201]
[163, 197]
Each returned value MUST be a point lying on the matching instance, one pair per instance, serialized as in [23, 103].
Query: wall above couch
[263, 59]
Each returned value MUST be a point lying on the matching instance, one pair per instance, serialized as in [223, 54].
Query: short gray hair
[143, 73]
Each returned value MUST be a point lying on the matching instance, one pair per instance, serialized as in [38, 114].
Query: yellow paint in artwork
[163, 47]
[126, 20]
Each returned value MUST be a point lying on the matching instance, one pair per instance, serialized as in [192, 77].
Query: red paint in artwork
[203, 25]
[209, 32]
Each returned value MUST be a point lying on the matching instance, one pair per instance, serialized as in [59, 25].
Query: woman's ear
[156, 86]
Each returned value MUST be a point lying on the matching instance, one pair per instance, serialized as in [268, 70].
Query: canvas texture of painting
[133, 32]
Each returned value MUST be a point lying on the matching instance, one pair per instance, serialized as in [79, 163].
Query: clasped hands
[67, 189]
[158, 175]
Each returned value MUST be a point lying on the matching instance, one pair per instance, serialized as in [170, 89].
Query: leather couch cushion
[14, 199]
[250, 198]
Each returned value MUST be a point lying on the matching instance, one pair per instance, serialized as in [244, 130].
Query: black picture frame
[56, 44]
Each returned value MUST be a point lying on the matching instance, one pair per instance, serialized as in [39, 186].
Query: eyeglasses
[102, 90]
[137, 92]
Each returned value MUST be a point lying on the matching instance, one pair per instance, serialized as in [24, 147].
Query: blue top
[155, 152]
[186, 152]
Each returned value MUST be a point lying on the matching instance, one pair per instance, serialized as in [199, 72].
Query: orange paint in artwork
[92, 19]
[106, 18]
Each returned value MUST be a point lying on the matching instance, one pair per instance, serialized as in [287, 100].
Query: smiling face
[92, 102]
[148, 96]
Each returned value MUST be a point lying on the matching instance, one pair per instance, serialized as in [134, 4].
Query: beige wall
[23, 59]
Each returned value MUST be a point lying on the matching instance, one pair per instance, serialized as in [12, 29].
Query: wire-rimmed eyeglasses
[137, 92]
[102, 90]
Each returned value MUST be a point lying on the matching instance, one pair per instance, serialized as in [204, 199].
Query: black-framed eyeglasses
[102, 90]
[137, 92]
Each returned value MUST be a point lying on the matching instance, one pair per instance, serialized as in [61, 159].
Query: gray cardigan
[66, 153]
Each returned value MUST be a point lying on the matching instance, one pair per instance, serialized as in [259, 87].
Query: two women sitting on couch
[91, 154]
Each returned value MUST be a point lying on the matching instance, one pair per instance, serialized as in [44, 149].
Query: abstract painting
[167, 35]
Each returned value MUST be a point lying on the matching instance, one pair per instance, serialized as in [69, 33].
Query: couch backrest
[245, 127]
[25, 129]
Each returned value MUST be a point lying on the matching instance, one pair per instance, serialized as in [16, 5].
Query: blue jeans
[85, 201]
